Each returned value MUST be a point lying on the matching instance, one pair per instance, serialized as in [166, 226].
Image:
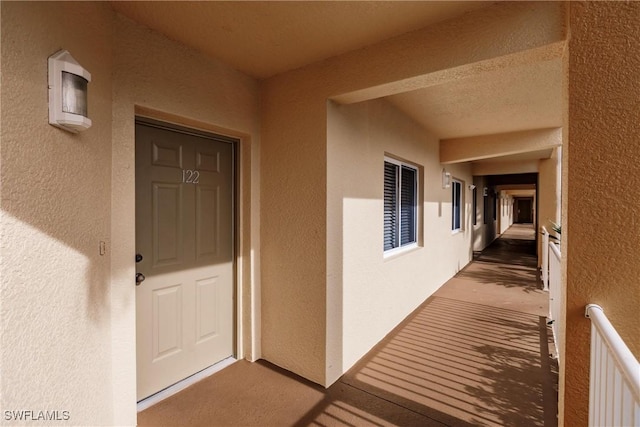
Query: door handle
[139, 278]
[139, 257]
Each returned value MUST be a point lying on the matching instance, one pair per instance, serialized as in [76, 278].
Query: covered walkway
[476, 353]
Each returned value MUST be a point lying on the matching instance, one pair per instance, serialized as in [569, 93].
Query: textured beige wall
[602, 239]
[485, 230]
[549, 197]
[506, 211]
[156, 77]
[55, 310]
[361, 283]
[293, 190]
[68, 314]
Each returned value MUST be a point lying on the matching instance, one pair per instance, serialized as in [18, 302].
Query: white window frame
[411, 245]
[454, 183]
[474, 204]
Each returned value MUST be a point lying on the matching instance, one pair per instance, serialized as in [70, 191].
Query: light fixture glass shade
[74, 94]
[446, 179]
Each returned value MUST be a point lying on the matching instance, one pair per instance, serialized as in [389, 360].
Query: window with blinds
[474, 205]
[456, 203]
[400, 204]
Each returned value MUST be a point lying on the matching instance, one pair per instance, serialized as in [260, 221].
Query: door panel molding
[185, 229]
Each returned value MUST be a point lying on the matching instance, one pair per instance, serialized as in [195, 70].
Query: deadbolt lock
[139, 278]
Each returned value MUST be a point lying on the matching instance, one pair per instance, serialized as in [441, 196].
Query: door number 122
[190, 176]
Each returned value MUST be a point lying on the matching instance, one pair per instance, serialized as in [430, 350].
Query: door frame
[531, 215]
[235, 142]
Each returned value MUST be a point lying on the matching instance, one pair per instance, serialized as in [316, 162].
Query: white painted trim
[412, 245]
[462, 202]
[181, 385]
[544, 267]
[390, 253]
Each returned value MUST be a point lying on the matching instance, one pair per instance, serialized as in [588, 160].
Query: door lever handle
[139, 278]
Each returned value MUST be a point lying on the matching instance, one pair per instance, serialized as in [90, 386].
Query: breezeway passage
[475, 353]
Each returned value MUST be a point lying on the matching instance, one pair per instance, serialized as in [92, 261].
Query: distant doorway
[523, 210]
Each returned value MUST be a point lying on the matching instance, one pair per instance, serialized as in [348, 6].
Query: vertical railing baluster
[617, 397]
[592, 379]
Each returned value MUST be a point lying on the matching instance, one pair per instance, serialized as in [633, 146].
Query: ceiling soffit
[265, 38]
[494, 102]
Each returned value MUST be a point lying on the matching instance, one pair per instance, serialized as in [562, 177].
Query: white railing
[614, 380]
[545, 259]
[555, 295]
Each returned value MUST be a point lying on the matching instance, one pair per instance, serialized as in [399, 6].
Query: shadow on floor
[475, 353]
[461, 363]
[520, 252]
[524, 278]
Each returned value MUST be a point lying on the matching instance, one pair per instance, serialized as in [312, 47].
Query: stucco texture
[549, 193]
[505, 206]
[601, 237]
[55, 348]
[362, 284]
[68, 312]
[485, 229]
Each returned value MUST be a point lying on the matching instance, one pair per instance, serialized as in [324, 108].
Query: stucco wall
[361, 283]
[602, 239]
[549, 197]
[55, 312]
[67, 313]
[506, 211]
[293, 188]
[484, 232]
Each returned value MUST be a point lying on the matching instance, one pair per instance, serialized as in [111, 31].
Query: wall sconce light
[68, 93]
[446, 179]
[472, 187]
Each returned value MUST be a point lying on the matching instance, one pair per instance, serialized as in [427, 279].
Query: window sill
[393, 253]
[458, 231]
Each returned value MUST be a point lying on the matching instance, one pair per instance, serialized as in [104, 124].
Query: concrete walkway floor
[476, 353]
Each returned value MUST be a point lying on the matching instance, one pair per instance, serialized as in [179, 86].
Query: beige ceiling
[265, 38]
[501, 101]
[522, 157]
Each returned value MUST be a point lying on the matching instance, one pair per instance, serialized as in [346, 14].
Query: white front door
[185, 254]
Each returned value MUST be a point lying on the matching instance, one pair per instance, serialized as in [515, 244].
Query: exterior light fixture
[446, 179]
[68, 93]
[472, 187]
